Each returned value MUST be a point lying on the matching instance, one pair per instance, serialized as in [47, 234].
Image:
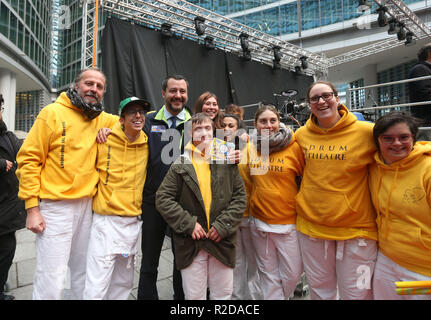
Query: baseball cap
[134, 100]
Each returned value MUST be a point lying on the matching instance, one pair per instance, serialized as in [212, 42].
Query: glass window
[289, 18]
[221, 6]
[330, 12]
[20, 36]
[4, 21]
[249, 4]
[310, 14]
[254, 20]
[270, 21]
[206, 4]
[13, 28]
[236, 5]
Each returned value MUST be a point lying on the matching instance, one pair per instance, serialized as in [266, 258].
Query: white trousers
[387, 273]
[111, 257]
[206, 271]
[346, 264]
[279, 262]
[246, 281]
[61, 249]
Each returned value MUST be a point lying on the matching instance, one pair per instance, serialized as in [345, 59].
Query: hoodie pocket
[83, 183]
[324, 207]
[122, 200]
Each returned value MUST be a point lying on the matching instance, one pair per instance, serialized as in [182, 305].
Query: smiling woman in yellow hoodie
[275, 161]
[400, 184]
[336, 219]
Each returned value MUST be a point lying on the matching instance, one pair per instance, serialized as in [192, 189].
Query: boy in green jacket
[203, 203]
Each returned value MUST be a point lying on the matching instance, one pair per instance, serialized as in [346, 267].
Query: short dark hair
[392, 118]
[78, 76]
[234, 116]
[200, 117]
[424, 52]
[175, 77]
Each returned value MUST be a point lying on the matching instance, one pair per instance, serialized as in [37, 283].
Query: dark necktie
[174, 122]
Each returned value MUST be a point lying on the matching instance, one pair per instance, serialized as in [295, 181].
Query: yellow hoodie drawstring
[388, 202]
[380, 177]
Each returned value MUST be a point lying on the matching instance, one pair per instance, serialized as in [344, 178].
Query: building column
[8, 90]
[370, 78]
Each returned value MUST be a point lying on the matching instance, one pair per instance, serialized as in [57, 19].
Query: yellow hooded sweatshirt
[334, 200]
[401, 193]
[273, 183]
[243, 170]
[58, 157]
[122, 167]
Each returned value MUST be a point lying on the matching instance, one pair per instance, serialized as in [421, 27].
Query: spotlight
[166, 30]
[243, 37]
[298, 69]
[277, 54]
[409, 39]
[304, 63]
[276, 64]
[209, 42]
[200, 25]
[246, 55]
[393, 26]
[401, 34]
[382, 20]
[363, 5]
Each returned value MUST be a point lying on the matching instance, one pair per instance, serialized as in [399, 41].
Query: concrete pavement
[20, 280]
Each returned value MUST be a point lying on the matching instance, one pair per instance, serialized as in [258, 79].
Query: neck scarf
[89, 109]
[276, 141]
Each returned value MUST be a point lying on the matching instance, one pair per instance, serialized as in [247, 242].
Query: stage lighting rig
[166, 30]
[382, 20]
[209, 42]
[409, 39]
[393, 26]
[200, 26]
[363, 5]
[401, 34]
[304, 63]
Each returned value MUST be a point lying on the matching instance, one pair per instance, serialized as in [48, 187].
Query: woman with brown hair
[336, 220]
[208, 104]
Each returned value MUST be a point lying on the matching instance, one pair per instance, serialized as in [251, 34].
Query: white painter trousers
[246, 281]
[61, 249]
[279, 261]
[207, 271]
[346, 264]
[388, 272]
[111, 257]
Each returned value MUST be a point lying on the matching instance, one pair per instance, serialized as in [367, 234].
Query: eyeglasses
[326, 96]
[389, 139]
[133, 112]
[2, 109]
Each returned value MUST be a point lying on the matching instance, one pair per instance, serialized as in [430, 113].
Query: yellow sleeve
[108, 120]
[31, 158]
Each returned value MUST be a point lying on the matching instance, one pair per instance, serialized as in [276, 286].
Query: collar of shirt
[181, 116]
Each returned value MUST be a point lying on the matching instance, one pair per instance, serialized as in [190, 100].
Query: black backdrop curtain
[136, 59]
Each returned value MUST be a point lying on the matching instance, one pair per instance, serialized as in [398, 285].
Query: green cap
[134, 100]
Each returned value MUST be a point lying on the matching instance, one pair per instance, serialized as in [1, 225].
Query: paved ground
[20, 281]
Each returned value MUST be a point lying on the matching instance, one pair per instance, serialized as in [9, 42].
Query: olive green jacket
[180, 203]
